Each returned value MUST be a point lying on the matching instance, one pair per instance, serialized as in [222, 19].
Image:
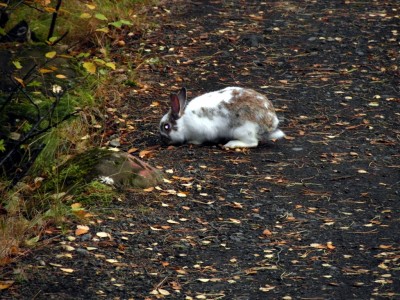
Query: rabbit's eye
[167, 127]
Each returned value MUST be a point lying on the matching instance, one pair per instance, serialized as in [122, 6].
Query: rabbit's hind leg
[244, 136]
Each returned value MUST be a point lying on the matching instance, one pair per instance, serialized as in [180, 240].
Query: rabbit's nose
[165, 140]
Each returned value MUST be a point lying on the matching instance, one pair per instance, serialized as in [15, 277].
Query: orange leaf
[267, 232]
[145, 153]
[44, 71]
[132, 150]
[330, 246]
[20, 81]
[81, 229]
[6, 284]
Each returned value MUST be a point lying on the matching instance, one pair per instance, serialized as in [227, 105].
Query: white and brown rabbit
[240, 116]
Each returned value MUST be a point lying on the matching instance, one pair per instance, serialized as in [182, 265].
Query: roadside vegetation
[57, 62]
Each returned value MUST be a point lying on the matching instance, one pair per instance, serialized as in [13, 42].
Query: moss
[96, 193]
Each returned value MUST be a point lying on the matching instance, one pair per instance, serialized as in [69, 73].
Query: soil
[311, 216]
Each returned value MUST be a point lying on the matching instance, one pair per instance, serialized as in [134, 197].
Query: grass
[26, 210]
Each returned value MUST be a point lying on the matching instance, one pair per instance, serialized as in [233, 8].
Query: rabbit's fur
[241, 116]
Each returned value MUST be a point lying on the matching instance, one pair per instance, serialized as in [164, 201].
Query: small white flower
[106, 180]
[57, 89]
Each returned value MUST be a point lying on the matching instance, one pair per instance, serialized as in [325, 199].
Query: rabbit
[238, 115]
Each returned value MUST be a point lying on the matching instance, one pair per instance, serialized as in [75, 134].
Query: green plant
[96, 194]
[61, 54]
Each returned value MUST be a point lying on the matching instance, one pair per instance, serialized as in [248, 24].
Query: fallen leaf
[32, 241]
[131, 150]
[103, 234]
[267, 288]
[155, 229]
[44, 71]
[267, 232]
[318, 246]
[81, 229]
[67, 270]
[85, 16]
[172, 222]
[163, 292]
[51, 54]
[20, 81]
[6, 284]
[235, 221]
[237, 205]
[89, 67]
[145, 153]
[385, 246]
[330, 246]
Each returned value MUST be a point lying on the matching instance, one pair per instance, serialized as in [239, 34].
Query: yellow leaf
[51, 54]
[61, 76]
[32, 241]
[17, 64]
[50, 9]
[76, 206]
[20, 81]
[85, 16]
[183, 178]
[110, 65]
[90, 67]
[104, 29]
[90, 6]
[44, 71]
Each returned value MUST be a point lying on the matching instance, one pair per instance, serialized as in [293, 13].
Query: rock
[115, 143]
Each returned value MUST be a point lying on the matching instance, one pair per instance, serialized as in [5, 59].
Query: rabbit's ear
[178, 103]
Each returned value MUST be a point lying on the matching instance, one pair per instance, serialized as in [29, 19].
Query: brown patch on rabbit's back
[249, 105]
